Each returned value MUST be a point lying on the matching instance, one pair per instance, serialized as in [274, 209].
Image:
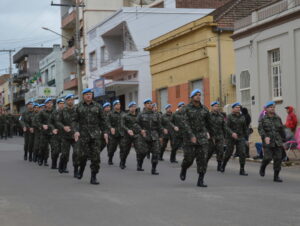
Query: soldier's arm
[75, 121]
[38, 120]
[137, 124]
[103, 121]
[51, 121]
[22, 120]
[123, 123]
[59, 120]
[185, 125]
[229, 124]
[261, 130]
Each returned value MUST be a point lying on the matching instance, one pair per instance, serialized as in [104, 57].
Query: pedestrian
[131, 134]
[218, 131]
[271, 131]
[291, 119]
[149, 126]
[177, 138]
[66, 125]
[106, 110]
[116, 133]
[45, 136]
[195, 128]
[88, 123]
[236, 124]
[26, 122]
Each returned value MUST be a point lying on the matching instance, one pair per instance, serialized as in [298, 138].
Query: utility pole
[9, 51]
[77, 43]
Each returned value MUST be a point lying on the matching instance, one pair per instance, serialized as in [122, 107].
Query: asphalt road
[31, 195]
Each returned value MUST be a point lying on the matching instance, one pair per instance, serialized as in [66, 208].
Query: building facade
[267, 49]
[116, 48]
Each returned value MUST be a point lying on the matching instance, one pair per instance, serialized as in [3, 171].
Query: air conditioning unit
[233, 79]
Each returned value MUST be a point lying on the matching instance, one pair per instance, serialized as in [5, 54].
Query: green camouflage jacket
[218, 128]
[236, 123]
[66, 117]
[114, 121]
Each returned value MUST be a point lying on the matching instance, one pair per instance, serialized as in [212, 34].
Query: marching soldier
[114, 124]
[89, 122]
[55, 142]
[45, 136]
[195, 129]
[237, 132]
[106, 111]
[272, 133]
[37, 133]
[218, 132]
[177, 138]
[65, 123]
[149, 126]
[131, 135]
[26, 122]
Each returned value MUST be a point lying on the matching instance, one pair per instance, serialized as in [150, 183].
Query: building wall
[254, 57]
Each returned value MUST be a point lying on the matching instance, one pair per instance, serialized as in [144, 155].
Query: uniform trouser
[55, 146]
[198, 152]
[240, 150]
[125, 146]
[275, 154]
[176, 143]
[36, 143]
[113, 143]
[145, 146]
[65, 151]
[89, 148]
[5, 131]
[164, 146]
[103, 143]
[216, 146]
[44, 146]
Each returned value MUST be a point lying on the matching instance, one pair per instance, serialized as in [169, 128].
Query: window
[163, 95]
[130, 96]
[245, 89]
[52, 73]
[93, 61]
[198, 84]
[104, 54]
[275, 72]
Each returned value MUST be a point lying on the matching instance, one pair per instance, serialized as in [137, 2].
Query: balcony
[69, 54]
[19, 77]
[68, 21]
[71, 83]
[19, 96]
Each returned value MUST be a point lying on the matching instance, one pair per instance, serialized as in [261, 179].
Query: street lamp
[48, 29]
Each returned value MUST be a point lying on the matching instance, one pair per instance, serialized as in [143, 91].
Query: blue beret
[41, 105]
[36, 105]
[106, 104]
[168, 106]
[236, 104]
[214, 103]
[270, 103]
[87, 90]
[194, 92]
[131, 104]
[47, 100]
[29, 102]
[154, 105]
[147, 101]
[116, 102]
[180, 104]
[60, 101]
[69, 96]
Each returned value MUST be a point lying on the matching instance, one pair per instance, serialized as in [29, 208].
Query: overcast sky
[20, 26]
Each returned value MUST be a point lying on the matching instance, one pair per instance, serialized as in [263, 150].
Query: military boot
[25, 156]
[110, 160]
[243, 172]
[200, 182]
[30, 157]
[122, 164]
[46, 162]
[94, 179]
[54, 164]
[61, 166]
[262, 170]
[65, 168]
[173, 158]
[182, 174]
[81, 170]
[276, 176]
[140, 165]
[34, 158]
[223, 166]
[153, 171]
[75, 171]
[219, 167]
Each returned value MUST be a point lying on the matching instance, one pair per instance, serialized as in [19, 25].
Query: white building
[116, 53]
[267, 47]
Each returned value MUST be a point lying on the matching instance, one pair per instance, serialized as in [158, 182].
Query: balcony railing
[69, 53]
[68, 20]
[110, 60]
[272, 10]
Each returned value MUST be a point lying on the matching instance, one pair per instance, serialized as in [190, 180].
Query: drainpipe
[220, 67]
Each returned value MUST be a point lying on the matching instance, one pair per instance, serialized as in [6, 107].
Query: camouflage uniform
[114, 121]
[272, 127]
[103, 142]
[45, 135]
[236, 123]
[37, 135]
[26, 120]
[66, 118]
[89, 122]
[168, 125]
[195, 124]
[177, 136]
[128, 122]
[56, 139]
[151, 123]
[218, 132]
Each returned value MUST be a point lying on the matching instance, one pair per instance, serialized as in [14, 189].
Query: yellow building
[198, 55]
[4, 90]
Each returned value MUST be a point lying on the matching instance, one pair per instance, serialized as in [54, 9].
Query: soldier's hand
[176, 128]
[24, 129]
[105, 135]
[31, 130]
[267, 140]
[45, 127]
[67, 128]
[166, 131]
[235, 136]
[194, 140]
[143, 132]
[130, 132]
[55, 131]
[76, 136]
[113, 131]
